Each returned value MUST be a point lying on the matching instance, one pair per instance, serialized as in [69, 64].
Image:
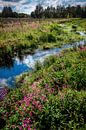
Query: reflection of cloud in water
[18, 62]
[40, 56]
[3, 82]
[7, 82]
[7, 76]
[29, 61]
[81, 33]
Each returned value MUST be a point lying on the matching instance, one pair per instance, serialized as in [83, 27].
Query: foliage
[49, 12]
[59, 12]
[47, 38]
[7, 12]
[65, 111]
[49, 61]
[71, 72]
[18, 37]
[51, 97]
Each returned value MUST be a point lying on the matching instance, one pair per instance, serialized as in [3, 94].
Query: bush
[74, 27]
[78, 77]
[66, 111]
[30, 37]
[38, 65]
[56, 28]
[49, 61]
[82, 54]
[51, 38]
[43, 37]
[47, 38]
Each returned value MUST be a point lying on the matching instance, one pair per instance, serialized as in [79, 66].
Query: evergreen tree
[7, 12]
[59, 12]
[38, 11]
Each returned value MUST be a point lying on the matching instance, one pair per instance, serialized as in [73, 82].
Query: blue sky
[27, 6]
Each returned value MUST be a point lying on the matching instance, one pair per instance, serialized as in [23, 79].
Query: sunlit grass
[17, 33]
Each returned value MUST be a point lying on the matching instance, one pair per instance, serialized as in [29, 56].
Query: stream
[7, 75]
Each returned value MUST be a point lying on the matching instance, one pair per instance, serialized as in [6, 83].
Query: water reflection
[6, 61]
[13, 65]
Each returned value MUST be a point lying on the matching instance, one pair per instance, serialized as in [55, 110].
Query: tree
[33, 14]
[7, 12]
[78, 11]
[59, 12]
[39, 11]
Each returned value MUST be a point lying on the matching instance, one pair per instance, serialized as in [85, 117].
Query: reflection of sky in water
[7, 75]
[81, 33]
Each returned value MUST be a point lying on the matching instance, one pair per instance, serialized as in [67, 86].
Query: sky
[27, 6]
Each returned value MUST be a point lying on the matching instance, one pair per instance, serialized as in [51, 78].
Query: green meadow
[21, 34]
[53, 95]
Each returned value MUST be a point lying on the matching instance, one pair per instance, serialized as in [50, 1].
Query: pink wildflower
[31, 113]
[25, 125]
[20, 128]
[29, 128]
[43, 98]
[24, 108]
[16, 108]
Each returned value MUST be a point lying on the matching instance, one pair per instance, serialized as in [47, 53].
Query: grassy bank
[24, 36]
[20, 35]
[52, 97]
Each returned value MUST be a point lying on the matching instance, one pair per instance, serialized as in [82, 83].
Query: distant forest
[49, 12]
[8, 13]
[59, 12]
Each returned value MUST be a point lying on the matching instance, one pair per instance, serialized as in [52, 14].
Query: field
[21, 34]
[53, 95]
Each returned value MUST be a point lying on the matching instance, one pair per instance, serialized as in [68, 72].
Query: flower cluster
[32, 104]
[29, 105]
[83, 48]
[3, 93]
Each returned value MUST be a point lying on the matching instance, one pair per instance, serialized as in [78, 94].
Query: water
[7, 75]
[81, 33]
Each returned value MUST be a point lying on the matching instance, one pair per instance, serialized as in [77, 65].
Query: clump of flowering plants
[24, 112]
[50, 98]
[32, 104]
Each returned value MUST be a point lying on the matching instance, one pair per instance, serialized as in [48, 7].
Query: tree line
[49, 12]
[59, 12]
[7, 12]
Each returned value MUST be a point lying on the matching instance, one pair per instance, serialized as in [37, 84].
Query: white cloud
[3, 82]
[5, 3]
[28, 6]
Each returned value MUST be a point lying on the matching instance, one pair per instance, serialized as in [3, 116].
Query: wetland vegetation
[53, 95]
[19, 37]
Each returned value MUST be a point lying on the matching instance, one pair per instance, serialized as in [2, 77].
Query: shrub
[43, 38]
[56, 28]
[82, 54]
[47, 38]
[78, 77]
[74, 27]
[49, 61]
[33, 45]
[30, 37]
[64, 112]
[38, 65]
[51, 38]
